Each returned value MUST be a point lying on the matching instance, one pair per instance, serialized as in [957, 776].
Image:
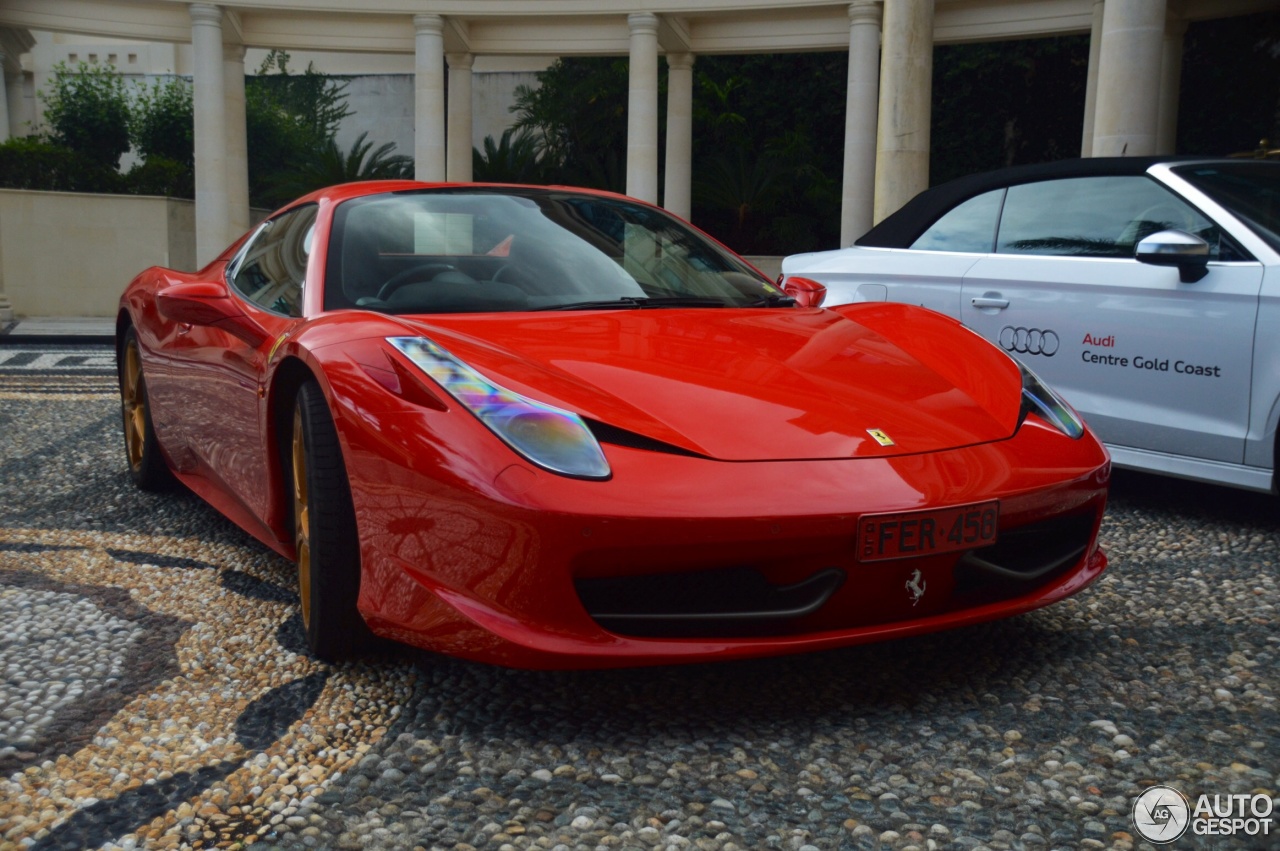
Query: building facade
[439, 46]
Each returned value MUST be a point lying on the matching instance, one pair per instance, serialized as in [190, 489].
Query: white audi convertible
[1147, 291]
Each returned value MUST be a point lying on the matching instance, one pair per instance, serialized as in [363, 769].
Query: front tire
[328, 549]
[147, 467]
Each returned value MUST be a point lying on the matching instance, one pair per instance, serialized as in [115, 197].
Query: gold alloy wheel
[301, 516]
[134, 399]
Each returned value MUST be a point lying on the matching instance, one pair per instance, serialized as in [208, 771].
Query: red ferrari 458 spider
[547, 427]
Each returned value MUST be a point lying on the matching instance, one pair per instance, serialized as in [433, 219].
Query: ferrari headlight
[1040, 399]
[552, 438]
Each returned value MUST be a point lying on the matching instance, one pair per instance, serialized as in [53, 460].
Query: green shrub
[163, 122]
[288, 118]
[161, 176]
[35, 163]
[88, 111]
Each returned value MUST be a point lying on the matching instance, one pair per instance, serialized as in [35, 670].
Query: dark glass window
[487, 250]
[970, 226]
[1095, 217]
[272, 268]
[1251, 191]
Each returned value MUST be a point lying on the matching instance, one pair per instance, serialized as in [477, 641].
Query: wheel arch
[290, 375]
[1268, 440]
[1275, 462]
[123, 323]
[344, 632]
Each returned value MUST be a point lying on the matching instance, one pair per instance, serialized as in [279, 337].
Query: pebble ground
[155, 692]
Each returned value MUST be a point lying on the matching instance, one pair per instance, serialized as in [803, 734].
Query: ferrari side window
[273, 268]
[969, 226]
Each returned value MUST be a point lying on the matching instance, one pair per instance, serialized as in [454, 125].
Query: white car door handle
[988, 302]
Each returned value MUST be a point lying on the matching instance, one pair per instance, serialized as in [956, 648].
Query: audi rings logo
[1028, 341]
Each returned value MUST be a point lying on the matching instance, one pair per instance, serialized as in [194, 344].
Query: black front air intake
[1027, 555]
[729, 602]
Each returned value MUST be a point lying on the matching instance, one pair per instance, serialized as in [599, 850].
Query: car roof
[902, 228]
[358, 189]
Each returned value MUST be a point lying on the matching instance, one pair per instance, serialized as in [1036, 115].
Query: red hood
[753, 384]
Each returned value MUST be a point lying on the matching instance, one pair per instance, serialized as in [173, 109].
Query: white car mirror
[1178, 248]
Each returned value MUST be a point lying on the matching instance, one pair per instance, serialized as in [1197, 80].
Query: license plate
[908, 534]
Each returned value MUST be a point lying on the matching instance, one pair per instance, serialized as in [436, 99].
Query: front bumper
[469, 552]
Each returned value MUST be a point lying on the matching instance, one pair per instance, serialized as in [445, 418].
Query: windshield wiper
[639, 303]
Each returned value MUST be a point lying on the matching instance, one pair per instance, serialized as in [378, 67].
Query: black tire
[147, 466]
[324, 531]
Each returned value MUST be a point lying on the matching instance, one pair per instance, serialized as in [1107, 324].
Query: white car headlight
[1040, 399]
[552, 438]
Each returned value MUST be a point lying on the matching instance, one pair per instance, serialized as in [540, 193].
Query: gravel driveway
[155, 691]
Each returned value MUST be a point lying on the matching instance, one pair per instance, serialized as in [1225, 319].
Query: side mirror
[1178, 248]
[208, 305]
[806, 292]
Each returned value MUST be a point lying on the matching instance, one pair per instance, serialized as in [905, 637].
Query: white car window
[970, 226]
[1250, 190]
[1094, 217]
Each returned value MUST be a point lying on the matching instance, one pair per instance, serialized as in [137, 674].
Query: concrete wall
[381, 106]
[492, 96]
[71, 254]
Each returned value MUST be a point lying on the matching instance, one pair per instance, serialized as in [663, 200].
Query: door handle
[988, 302]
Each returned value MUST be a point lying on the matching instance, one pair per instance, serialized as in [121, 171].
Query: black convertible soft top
[902, 228]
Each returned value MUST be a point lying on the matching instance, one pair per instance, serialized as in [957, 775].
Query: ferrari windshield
[1250, 190]
[479, 249]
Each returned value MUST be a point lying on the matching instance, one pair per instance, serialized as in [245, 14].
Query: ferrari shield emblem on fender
[882, 437]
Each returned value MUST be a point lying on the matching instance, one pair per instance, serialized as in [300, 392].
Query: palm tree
[329, 165]
[514, 158]
[743, 185]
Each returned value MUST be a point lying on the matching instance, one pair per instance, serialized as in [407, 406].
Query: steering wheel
[412, 276]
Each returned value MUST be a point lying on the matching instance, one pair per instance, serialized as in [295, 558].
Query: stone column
[862, 97]
[459, 130]
[6, 309]
[210, 106]
[1128, 105]
[428, 101]
[4, 101]
[1091, 86]
[677, 190]
[642, 108]
[1170, 85]
[237, 145]
[906, 87]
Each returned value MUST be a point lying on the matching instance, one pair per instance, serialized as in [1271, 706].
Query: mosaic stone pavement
[155, 692]
[127, 711]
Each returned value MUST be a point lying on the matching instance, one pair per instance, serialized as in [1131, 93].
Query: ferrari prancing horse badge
[882, 437]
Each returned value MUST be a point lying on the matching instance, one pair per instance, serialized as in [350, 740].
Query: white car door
[886, 274]
[929, 273]
[1151, 362]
